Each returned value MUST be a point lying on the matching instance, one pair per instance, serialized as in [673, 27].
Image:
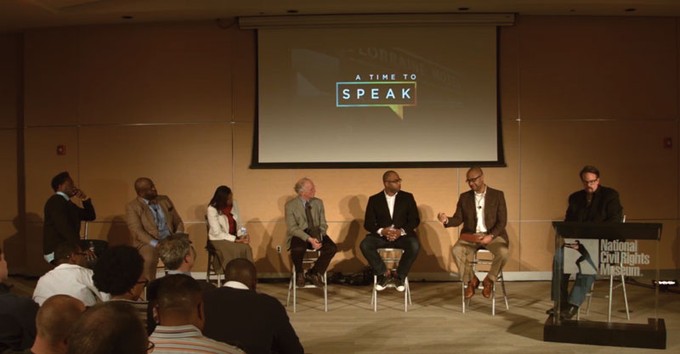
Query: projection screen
[377, 96]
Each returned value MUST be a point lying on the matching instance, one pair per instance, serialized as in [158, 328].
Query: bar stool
[391, 257]
[485, 260]
[589, 295]
[307, 262]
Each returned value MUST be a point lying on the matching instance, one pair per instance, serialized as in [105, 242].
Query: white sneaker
[381, 283]
[399, 284]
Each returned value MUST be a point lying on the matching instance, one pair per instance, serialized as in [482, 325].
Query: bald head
[243, 271]
[145, 188]
[56, 318]
[109, 328]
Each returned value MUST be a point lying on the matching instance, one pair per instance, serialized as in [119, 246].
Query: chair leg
[611, 290]
[462, 295]
[505, 294]
[493, 299]
[625, 296]
[325, 292]
[374, 298]
[291, 285]
[407, 294]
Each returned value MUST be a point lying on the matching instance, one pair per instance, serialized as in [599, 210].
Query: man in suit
[238, 315]
[306, 221]
[151, 218]
[62, 216]
[391, 220]
[483, 213]
[593, 203]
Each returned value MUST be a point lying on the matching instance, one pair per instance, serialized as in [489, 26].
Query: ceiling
[20, 15]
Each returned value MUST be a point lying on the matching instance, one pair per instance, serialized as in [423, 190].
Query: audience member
[238, 315]
[223, 217]
[483, 213]
[17, 314]
[306, 221]
[181, 315]
[55, 320]
[62, 216]
[119, 272]
[391, 220]
[177, 254]
[151, 218]
[594, 203]
[109, 328]
[69, 277]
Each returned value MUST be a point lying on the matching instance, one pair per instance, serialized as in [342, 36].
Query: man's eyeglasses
[592, 181]
[472, 180]
[394, 181]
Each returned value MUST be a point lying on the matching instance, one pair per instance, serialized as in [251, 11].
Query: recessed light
[631, 9]
[127, 17]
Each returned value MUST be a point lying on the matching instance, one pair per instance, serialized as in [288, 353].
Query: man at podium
[594, 203]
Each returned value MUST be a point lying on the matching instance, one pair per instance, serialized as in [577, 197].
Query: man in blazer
[391, 220]
[304, 235]
[62, 216]
[237, 314]
[483, 213]
[151, 218]
[593, 203]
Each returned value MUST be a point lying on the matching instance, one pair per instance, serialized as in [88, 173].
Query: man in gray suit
[151, 218]
[483, 213]
[306, 221]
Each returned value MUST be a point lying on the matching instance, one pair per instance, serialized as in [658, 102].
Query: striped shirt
[187, 339]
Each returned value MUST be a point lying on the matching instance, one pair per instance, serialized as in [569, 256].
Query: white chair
[307, 262]
[614, 269]
[391, 257]
[486, 260]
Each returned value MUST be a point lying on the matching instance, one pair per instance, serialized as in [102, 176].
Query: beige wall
[176, 102]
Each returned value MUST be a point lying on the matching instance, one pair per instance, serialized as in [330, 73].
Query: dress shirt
[479, 204]
[69, 279]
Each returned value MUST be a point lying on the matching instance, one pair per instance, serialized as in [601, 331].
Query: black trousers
[410, 245]
[299, 247]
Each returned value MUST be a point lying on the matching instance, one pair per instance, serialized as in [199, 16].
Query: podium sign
[615, 251]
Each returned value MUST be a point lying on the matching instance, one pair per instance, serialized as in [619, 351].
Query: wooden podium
[642, 335]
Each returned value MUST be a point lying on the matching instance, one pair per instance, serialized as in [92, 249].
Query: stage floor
[435, 324]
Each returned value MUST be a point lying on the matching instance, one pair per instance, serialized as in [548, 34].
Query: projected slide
[365, 96]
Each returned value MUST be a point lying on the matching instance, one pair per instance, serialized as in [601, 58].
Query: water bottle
[242, 232]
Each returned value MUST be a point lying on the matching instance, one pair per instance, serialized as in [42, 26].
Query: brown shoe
[299, 280]
[472, 285]
[314, 278]
[488, 286]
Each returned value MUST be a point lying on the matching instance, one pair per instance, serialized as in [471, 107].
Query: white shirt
[479, 208]
[236, 285]
[69, 279]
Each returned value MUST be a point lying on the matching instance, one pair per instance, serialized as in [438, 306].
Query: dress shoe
[299, 280]
[551, 311]
[314, 278]
[472, 285]
[488, 287]
[569, 312]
